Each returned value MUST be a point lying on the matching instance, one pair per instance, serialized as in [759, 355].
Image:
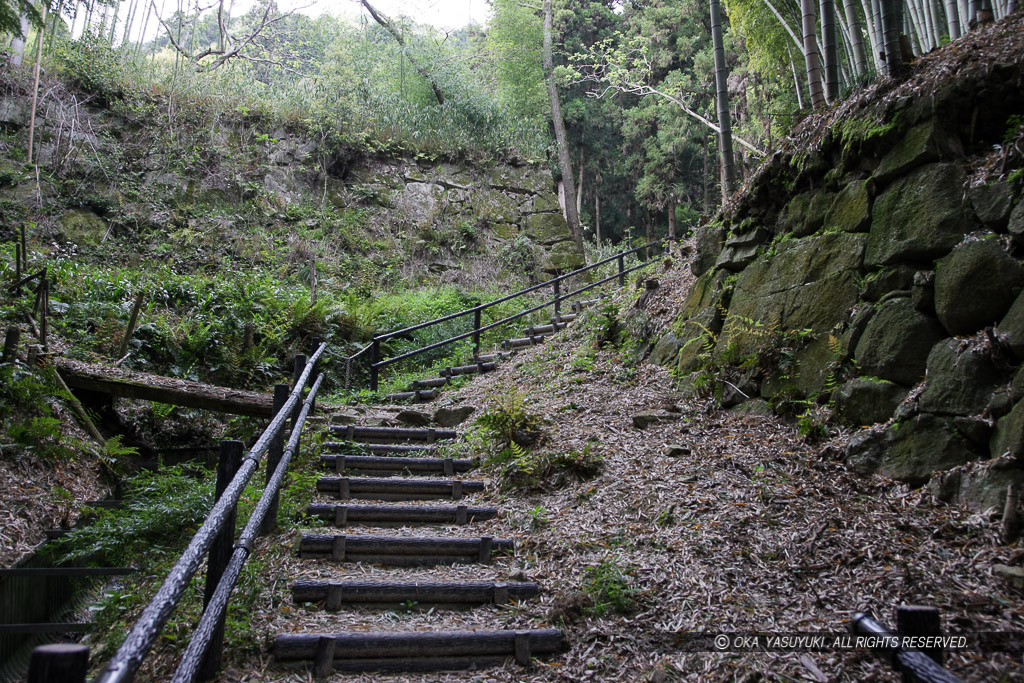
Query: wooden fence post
[17, 261]
[622, 267]
[914, 620]
[59, 663]
[274, 454]
[45, 312]
[374, 359]
[558, 301]
[11, 344]
[130, 330]
[476, 331]
[220, 555]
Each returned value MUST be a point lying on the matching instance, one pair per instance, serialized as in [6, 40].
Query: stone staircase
[400, 473]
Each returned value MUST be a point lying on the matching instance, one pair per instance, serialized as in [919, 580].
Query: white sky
[443, 14]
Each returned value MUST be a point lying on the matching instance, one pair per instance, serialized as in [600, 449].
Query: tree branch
[400, 39]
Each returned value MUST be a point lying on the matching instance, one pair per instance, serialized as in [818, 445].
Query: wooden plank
[67, 571]
[417, 644]
[125, 384]
[373, 487]
[392, 464]
[393, 434]
[403, 514]
[377, 447]
[25, 629]
[425, 592]
[314, 545]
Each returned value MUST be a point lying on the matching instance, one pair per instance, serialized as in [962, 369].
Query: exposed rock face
[917, 324]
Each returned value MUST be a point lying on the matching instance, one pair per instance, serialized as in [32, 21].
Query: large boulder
[740, 251]
[83, 227]
[978, 485]
[896, 342]
[992, 203]
[1011, 327]
[961, 379]
[975, 286]
[921, 446]
[709, 245]
[492, 206]
[701, 319]
[666, 350]
[1008, 437]
[1015, 226]
[851, 210]
[810, 284]
[918, 218]
[868, 400]
[922, 144]
[547, 228]
[419, 201]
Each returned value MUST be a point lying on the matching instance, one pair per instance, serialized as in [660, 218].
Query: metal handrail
[128, 658]
[376, 363]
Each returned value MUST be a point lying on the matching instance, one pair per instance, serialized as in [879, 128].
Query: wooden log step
[334, 594]
[419, 395]
[544, 329]
[524, 341]
[397, 489]
[416, 650]
[393, 434]
[469, 369]
[403, 551]
[563, 318]
[343, 515]
[393, 465]
[434, 383]
[377, 447]
[580, 305]
[489, 357]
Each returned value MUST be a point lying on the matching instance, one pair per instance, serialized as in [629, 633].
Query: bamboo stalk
[77, 408]
[131, 325]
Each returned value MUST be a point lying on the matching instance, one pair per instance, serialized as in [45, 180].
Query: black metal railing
[214, 538]
[377, 363]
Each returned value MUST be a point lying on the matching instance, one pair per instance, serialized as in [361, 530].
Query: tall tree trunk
[796, 83]
[892, 20]
[872, 15]
[672, 220]
[829, 49]
[18, 42]
[571, 216]
[597, 211]
[53, 25]
[1011, 6]
[35, 89]
[722, 103]
[860, 58]
[705, 175]
[953, 19]
[811, 56]
[579, 186]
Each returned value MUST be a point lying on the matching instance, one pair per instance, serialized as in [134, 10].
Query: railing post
[317, 341]
[622, 267]
[17, 261]
[558, 301]
[11, 340]
[45, 312]
[274, 453]
[374, 359]
[220, 554]
[476, 332]
[59, 663]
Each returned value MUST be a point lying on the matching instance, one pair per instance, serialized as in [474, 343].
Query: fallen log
[126, 384]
